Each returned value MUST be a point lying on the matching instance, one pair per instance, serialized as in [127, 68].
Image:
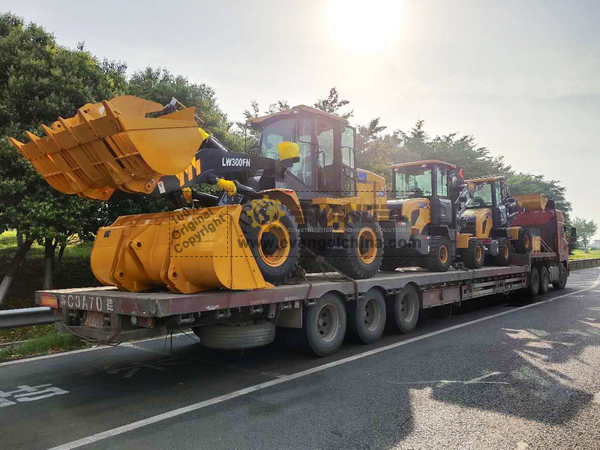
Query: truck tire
[363, 257]
[440, 255]
[325, 325]
[236, 335]
[562, 278]
[268, 240]
[403, 309]
[474, 255]
[525, 242]
[533, 285]
[366, 318]
[544, 280]
[504, 253]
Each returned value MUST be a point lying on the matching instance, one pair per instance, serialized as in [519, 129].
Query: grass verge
[580, 254]
[52, 342]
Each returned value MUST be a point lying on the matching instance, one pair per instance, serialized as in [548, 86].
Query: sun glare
[365, 26]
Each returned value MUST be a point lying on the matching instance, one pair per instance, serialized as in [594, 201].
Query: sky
[522, 77]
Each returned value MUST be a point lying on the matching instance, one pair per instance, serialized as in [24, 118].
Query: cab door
[348, 157]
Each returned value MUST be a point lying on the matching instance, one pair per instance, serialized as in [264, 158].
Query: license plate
[94, 319]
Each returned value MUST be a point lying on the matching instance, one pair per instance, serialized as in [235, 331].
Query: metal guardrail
[25, 317]
[580, 264]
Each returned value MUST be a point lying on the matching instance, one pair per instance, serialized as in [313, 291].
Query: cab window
[280, 131]
[442, 183]
[303, 168]
[325, 140]
[413, 183]
[348, 146]
[482, 196]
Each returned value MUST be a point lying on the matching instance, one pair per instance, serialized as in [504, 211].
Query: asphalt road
[492, 375]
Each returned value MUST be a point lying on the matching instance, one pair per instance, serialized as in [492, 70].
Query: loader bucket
[113, 145]
[186, 251]
[532, 202]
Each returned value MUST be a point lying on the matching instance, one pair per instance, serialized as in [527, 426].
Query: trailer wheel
[504, 253]
[325, 325]
[440, 256]
[533, 286]
[366, 317]
[363, 257]
[474, 255]
[562, 278]
[544, 280]
[525, 242]
[404, 309]
[274, 241]
[236, 335]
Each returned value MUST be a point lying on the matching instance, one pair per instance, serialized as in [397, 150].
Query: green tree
[332, 104]
[586, 229]
[39, 82]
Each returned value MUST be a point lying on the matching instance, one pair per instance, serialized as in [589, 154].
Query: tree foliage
[586, 229]
[39, 82]
[333, 103]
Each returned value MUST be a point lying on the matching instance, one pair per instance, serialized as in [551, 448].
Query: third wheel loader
[422, 229]
[487, 210]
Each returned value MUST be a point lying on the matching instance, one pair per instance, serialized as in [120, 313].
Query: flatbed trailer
[321, 307]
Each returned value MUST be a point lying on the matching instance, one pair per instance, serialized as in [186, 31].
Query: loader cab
[491, 193]
[327, 159]
[421, 189]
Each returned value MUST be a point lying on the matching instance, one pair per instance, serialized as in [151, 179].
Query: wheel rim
[506, 252]
[443, 254]
[327, 323]
[372, 314]
[406, 308]
[274, 243]
[479, 254]
[526, 241]
[367, 245]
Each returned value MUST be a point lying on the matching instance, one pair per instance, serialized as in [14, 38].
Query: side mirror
[573, 232]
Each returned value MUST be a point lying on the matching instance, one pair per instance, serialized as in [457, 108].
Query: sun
[365, 26]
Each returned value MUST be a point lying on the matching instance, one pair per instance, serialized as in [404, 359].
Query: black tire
[236, 335]
[366, 318]
[253, 226]
[562, 278]
[403, 309]
[356, 261]
[544, 280]
[440, 255]
[324, 338]
[533, 285]
[525, 242]
[504, 253]
[474, 255]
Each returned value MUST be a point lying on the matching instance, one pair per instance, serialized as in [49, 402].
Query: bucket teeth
[113, 145]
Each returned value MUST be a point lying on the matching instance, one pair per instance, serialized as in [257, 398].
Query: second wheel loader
[487, 212]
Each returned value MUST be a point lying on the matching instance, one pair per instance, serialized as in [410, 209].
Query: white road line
[257, 387]
[83, 350]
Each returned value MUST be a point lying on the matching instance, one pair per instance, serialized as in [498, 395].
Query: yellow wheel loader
[486, 212]
[303, 183]
[341, 205]
[422, 229]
